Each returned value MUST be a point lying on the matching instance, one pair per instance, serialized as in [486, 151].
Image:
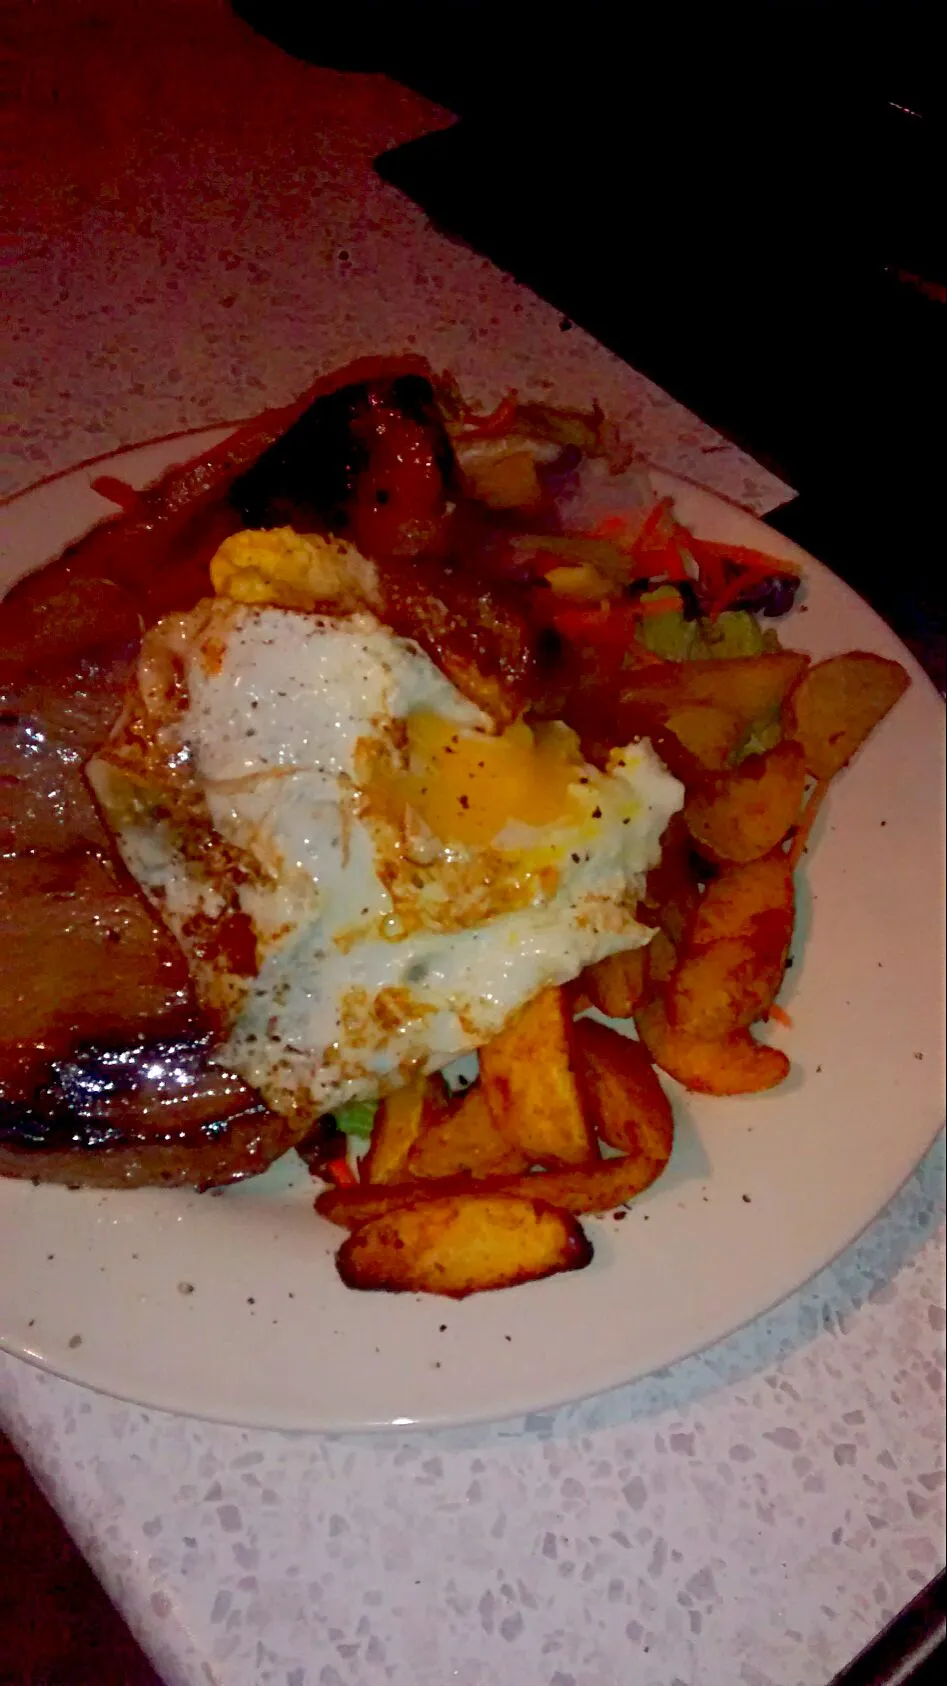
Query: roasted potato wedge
[671, 889]
[709, 736]
[397, 1126]
[733, 959]
[615, 985]
[460, 1139]
[838, 703]
[576, 1188]
[660, 961]
[752, 900]
[724, 986]
[750, 688]
[462, 1244]
[599, 1187]
[733, 1065]
[747, 690]
[744, 814]
[623, 1092]
[530, 1088]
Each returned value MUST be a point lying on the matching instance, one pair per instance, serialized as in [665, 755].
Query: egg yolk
[281, 567]
[467, 787]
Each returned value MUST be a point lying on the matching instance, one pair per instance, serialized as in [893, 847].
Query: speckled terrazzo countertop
[197, 231]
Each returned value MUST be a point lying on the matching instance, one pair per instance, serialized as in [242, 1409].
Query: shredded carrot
[801, 839]
[339, 1172]
[666, 606]
[780, 1015]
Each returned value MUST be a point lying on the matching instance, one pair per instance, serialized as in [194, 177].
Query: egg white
[260, 717]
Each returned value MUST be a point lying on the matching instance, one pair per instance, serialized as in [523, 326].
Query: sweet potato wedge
[462, 1244]
[623, 1092]
[744, 814]
[838, 703]
[397, 1126]
[460, 1139]
[614, 985]
[530, 1088]
[733, 1065]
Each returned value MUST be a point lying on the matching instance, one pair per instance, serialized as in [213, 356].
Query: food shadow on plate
[805, 906]
[689, 1166]
[826, 1304]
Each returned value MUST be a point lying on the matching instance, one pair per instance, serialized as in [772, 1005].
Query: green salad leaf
[735, 632]
[356, 1118]
[763, 735]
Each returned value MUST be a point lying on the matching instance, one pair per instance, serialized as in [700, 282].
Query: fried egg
[367, 876]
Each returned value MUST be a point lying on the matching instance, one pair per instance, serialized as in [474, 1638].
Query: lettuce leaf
[356, 1118]
[670, 636]
[735, 632]
[763, 735]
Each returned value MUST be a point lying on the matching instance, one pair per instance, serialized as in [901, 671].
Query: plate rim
[60, 1364]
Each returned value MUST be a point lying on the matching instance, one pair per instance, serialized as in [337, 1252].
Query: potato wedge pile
[488, 1191]
[722, 897]
[465, 1192]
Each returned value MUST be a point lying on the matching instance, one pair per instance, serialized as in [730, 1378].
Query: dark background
[746, 202]
[743, 200]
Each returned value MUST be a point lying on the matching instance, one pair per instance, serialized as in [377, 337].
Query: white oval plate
[228, 1306]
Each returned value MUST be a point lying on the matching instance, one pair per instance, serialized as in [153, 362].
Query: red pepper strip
[731, 592]
[339, 1172]
[714, 551]
[613, 527]
[603, 624]
[749, 574]
[659, 562]
[608, 627]
[117, 491]
[497, 422]
[711, 569]
[659, 544]
[651, 533]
